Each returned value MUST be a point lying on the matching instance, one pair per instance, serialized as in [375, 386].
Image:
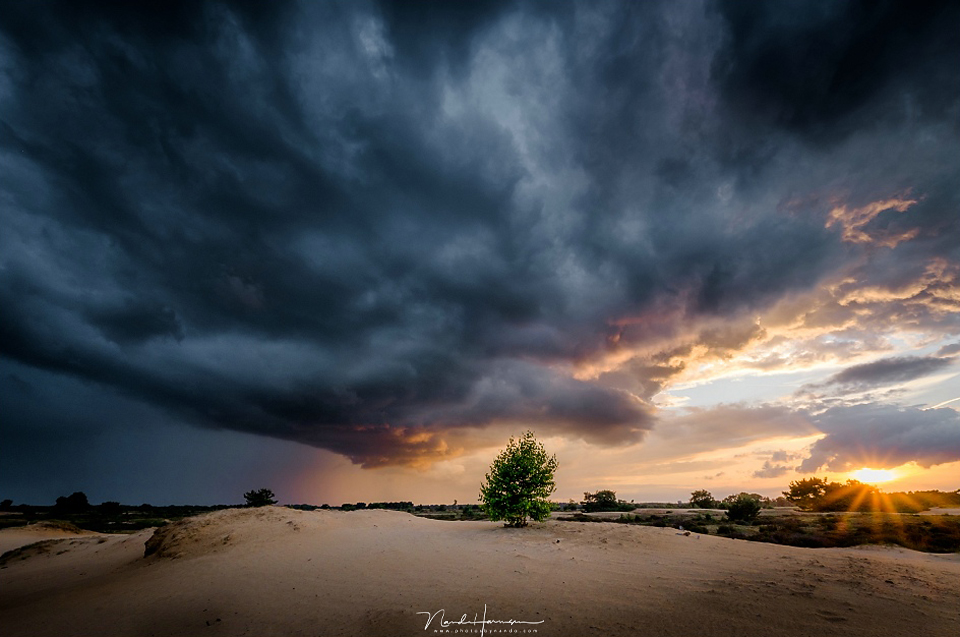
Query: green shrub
[604, 500]
[744, 508]
[519, 482]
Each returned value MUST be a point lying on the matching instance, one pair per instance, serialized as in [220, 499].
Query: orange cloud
[849, 319]
[855, 220]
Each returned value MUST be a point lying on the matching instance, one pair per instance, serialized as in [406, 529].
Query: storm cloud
[368, 226]
[885, 371]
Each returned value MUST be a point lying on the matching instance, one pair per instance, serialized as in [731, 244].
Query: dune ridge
[276, 571]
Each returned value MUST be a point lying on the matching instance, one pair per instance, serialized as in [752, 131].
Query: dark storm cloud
[132, 324]
[886, 371]
[889, 370]
[819, 69]
[363, 226]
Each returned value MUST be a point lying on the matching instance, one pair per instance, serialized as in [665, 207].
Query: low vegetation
[109, 517]
[76, 512]
[703, 499]
[605, 501]
[930, 533]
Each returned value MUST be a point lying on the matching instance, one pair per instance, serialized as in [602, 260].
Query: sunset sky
[345, 250]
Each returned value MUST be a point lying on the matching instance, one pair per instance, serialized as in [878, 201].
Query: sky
[346, 250]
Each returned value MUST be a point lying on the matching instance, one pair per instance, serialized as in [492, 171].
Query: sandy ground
[941, 511]
[22, 535]
[276, 571]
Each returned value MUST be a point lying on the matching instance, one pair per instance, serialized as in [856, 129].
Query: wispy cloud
[885, 371]
[855, 221]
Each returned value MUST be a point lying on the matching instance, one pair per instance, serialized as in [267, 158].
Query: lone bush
[744, 508]
[605, 500]
[259, 498]
[519, 482]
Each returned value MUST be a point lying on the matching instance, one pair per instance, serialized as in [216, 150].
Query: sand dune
[275, 571]
[16, 537]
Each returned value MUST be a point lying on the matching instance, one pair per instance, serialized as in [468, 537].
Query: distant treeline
[816, 494]
[107, 517]
[703, 499]
[77, 503]
[604, 500]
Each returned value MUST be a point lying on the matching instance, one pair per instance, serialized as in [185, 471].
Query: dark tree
[259, 498]
[6, 505]
[806, 493]
[74, 503]
[703, 499]
[109, 508]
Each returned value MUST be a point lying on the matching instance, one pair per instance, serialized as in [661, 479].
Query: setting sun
[873, 476]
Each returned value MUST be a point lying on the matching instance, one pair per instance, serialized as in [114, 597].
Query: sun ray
[861, 494]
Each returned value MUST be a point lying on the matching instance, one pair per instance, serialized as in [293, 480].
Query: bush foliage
[744, 508]
[605, 500]
[74, 503]
[259, 498]
[519, 482]
[703, 499]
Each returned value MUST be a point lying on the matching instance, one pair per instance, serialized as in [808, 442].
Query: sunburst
[873, 476]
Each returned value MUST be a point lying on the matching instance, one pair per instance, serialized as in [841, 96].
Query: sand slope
[18, 536]
[275, 571]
